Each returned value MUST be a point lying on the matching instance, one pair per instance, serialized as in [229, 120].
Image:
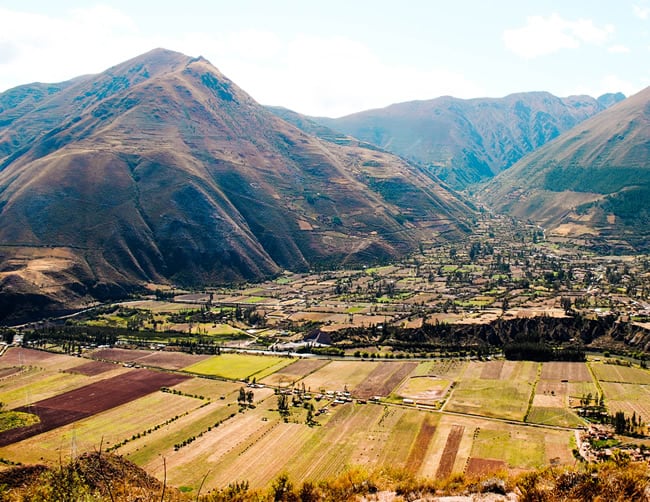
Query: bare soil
[419, 449]
[92, 368]
[480, 466]
[449, 453]
[492, 370]
[383, 379]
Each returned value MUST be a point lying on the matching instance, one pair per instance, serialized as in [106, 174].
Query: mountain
[467, 141]
[592, 182]
[161, 169]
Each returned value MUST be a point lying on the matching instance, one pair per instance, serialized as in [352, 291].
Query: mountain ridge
[161, 169]
[465, 141]
[591, 182]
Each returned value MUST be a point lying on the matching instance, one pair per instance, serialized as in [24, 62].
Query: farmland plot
[294, 372]
[560, 388]
[494, 398]
[628, 398]
[18, 356]
[425, 390]
[105, 429]
[68, 407]
[239, 366]
[339, 374]
[383, 379]
[622, 374]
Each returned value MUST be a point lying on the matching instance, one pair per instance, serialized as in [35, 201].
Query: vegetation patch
[13, 419]
[239, 366]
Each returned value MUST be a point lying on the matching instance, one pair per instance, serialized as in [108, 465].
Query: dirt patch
[5, 372]
[303, 367]
[89, 400]
[573, 372]
[449, 453]
[20, 356]
[383, 379]
[492, 370]
[92, 368]
[171, 360]
[120, 355]
[419, 449]
[481, 466]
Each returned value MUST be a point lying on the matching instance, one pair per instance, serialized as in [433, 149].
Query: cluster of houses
[597, 443]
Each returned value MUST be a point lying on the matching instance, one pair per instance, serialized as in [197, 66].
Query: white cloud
[35, 47]
[546, 35]
[335, 76]
[315, 75]
[641, 11]
[618, 49]
[609, 83]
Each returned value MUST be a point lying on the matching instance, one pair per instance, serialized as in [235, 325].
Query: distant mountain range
[591, 183]
[162, 169]
[465, 141]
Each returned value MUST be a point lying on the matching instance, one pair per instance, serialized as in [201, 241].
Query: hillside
[161, 169]
[467, 141]
[592, 182]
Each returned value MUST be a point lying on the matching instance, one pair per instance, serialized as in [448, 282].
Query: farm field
[559, 389]
[622, 374]
[499, 389]
[628, 398]
[239, 366]
[204, 436]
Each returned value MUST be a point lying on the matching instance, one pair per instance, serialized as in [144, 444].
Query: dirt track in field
[89, 400]
[449, 453]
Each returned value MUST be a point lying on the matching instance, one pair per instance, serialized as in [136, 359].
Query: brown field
[92, 368]
[481, 466]
[89, 400]
[418, 451]
[339, 374]
[573, 372]
[289, 375]
[446, 465]
[17, 356]
[120, 355]
[383, 379]
[171, 360]
[492, 370]
[5, 372]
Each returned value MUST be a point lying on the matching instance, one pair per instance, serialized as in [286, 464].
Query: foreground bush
[96, 477]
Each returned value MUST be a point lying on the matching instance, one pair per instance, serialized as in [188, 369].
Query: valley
[341, 349]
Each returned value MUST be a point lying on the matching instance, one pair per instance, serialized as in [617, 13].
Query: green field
[518, 448]
[12, 419]
[623, 374]
[239, 366]
[491, 398]
[554, 416]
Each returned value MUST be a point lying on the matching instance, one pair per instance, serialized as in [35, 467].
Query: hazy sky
[333, 57]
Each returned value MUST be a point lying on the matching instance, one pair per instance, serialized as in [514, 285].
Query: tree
[249, 397]
[241, 399]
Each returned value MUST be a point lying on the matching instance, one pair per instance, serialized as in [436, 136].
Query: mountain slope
[162, 169]
[593, 181]
[467, 141]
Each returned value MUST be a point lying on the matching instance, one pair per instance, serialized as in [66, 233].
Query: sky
[336, 57]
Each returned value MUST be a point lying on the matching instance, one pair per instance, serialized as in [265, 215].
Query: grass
[239, 366]
[554, 416]
[518, 448]
[13, 419]
[491, 398]
[624, 374]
